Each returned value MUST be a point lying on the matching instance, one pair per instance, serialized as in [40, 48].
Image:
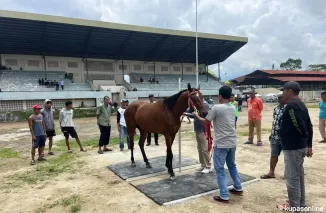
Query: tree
[317, 67]
[291, 64]
[227, 82]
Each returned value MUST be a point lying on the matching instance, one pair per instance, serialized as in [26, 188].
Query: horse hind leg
[131, 133]
[143, 136]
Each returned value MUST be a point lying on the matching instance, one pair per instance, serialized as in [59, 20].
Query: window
[137, 67]
[176, 69]
[11, 62]
[151, 68]
[72, 64]
[124, 67]
[164, 68]
[188, 69]
[53, 64]
[33, 63]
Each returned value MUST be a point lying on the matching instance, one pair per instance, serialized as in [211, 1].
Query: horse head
[195, 99]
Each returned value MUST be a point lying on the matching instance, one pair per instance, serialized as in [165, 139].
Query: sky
[276, 29]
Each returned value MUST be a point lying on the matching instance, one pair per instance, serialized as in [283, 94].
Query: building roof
[300, 79]
[27, 33]
[289, 72]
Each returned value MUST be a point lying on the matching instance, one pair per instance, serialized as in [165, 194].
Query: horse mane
[172, 100]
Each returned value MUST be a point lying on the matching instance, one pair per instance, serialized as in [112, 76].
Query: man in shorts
[234, 103]
[47, 113]
[67, 125]
[275, 138]
[37, 128]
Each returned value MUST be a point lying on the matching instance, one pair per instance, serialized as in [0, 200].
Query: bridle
[190, 102]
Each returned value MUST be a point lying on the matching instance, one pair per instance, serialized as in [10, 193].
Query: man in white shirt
[67, 125]
[62, 83]
[222, 115]
[122, 126]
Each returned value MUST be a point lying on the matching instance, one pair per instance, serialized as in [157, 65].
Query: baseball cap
[151, 95]
[35, 106]
[292, 85]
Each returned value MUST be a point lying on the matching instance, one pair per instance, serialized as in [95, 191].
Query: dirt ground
[91, 187]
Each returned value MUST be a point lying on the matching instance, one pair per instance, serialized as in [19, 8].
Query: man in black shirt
[296, 138]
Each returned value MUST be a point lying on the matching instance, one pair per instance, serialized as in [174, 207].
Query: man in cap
[255, 106]
[149, 135]
[296, 138]
[38, 131]
[122, 126]
[274, 138]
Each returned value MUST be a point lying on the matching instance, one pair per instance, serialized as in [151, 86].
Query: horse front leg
[169, 155]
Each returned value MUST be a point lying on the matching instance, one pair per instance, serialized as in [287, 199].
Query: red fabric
[208, 135]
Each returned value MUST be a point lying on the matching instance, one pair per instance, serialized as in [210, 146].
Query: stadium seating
[170, 82]
[28, 81]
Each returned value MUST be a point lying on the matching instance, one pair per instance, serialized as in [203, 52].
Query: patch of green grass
[313, 106]
[246, 133]
[73, 203]
[55, 166]
[8, 153]
[61, 145]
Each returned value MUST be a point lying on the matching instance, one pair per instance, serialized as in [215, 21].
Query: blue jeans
[222, 155]
[123, 134]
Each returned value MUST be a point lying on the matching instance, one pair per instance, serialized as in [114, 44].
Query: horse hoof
[133, 165]
[148, 166]
[172, 177]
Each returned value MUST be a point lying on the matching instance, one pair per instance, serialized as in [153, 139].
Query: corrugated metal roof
[292, 72]
[300, 79]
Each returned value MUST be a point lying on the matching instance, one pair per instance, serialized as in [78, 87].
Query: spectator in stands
[150, 80]
[66, 76]
[37, 128]
[42, 82]
[122, 126]
[10, 68]
[157, 81]
[47, 113]
[255, 106]
[62, 83]
[67, 125]
[21, 68]
[149, 135]
[56, 85]
[103, 114]
[322, 117]
[39, 82]
[52, 83]
[141, 80]
[47, 83]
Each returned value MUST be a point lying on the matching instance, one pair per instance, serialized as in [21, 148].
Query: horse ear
[189, 87]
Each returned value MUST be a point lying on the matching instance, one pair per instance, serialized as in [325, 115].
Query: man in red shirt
[255, 106]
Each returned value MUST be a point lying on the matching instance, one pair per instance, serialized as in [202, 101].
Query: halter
[190, 102]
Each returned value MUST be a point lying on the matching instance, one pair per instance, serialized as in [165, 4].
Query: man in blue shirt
[322, 117]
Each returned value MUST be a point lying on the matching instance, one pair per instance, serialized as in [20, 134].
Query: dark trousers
[149, 136]
[62, 87]
[105, 135]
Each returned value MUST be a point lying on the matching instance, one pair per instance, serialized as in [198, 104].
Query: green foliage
[317, 67]
[8, 153]
[291, 64]
[227, 82]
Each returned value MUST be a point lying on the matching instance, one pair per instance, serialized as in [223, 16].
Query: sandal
[267, 176]
[283, 207]
[107, 150]
[259, 143]
[51, 153]
[32, 162]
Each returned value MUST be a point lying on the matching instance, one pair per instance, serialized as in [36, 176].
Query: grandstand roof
[288, 72]
[35, 34]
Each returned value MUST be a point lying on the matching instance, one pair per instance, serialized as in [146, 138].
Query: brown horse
[162, 117]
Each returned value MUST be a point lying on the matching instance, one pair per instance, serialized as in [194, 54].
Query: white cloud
[277, 29]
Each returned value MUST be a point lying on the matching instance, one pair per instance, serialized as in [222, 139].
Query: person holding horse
[222, 115]
[202, 143]
[149, 135]
[164, 119]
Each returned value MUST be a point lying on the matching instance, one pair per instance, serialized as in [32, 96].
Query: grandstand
[97, 56]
